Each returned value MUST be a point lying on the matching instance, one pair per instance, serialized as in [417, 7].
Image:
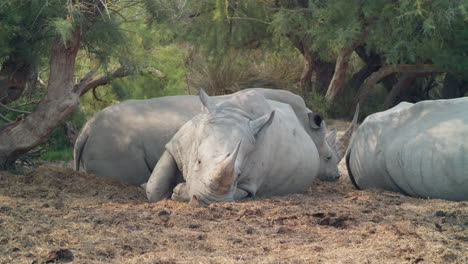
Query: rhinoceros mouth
[210, 198]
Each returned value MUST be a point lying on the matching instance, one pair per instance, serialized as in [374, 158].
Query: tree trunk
[323, 74]
[391, 69]
[403, 83]
[336, 86]
[13, 78]
[453, 87]
[337, 82]
[60, 100]
[303, 45]
[306, 76]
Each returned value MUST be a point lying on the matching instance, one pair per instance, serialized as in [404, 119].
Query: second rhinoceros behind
[243, 146]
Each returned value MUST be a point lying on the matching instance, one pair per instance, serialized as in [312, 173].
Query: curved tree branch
[87, 83]
[6, 119]
[390, 69]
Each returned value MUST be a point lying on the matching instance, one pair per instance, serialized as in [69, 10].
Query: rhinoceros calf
[239, 147]
[417, 149]
[126, 140]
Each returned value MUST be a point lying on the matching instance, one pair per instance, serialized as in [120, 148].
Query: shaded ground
[55, 214]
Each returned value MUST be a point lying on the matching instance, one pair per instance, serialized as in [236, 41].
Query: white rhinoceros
[126, 140]
[242, 146]
[417, 149]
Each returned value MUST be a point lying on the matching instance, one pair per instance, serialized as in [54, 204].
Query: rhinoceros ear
[315, 120]
[331, 138]
[208, 106]
[261, 122]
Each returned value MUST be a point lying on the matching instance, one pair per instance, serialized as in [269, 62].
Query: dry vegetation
[53, 214]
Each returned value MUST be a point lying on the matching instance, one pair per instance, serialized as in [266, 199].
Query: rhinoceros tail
[79, 146]
[348, 166]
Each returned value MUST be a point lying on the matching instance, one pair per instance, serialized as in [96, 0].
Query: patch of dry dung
[53, 214]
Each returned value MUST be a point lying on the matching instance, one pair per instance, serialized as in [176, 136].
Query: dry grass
[234, 73]
[106, 221]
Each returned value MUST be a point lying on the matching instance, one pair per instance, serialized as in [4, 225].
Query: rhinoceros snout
[330, 177]
[336, 178]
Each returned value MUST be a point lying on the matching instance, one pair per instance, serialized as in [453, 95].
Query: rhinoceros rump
[126, 140]
[420, 150]
[233, 150]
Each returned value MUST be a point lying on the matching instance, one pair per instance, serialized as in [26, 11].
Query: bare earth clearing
[53, 214]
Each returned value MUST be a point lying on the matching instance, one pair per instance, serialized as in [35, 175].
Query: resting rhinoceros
[126, 140]
[242, 146]
[417, 149]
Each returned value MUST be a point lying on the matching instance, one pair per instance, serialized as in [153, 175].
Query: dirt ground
[52, 214]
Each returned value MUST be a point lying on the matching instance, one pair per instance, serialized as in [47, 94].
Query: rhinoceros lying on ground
[242, 146]
[420, 150]
[126, 140]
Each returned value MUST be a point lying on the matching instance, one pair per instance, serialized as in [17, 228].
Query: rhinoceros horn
[225, 175]
[342, 144]
[331, 137]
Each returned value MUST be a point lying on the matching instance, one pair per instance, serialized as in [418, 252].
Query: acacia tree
[56, 33]
[427, 38]
[385, 34]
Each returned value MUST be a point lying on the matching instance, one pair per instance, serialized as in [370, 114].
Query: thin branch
[4, 118]
[96, 97]
[40, 11]
[27, 103]
[249, 18]
[14, 110]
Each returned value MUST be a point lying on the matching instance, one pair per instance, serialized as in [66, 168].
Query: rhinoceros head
[328, 159]
[330, 149]
[223, 137]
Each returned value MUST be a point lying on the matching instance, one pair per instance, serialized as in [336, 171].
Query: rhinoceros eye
[199, 161]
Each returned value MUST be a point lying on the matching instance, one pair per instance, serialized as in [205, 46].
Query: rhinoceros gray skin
[417, 149]
[242, 146]
[126, 140]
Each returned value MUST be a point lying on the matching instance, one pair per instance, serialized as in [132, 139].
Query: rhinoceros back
[119, 141]
[420, 150]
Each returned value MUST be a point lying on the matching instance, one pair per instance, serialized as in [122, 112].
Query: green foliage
[224, 46]
[211, 25]
[63, 28]
[24, 28]
[63, 154]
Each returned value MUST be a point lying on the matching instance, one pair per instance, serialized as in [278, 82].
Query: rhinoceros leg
[162, 179]
[180, 193]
